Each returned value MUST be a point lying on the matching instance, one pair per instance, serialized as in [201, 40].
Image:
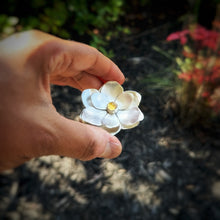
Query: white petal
[124, 101]
[136, 98]
[99, 100]
[141, 116]
[110, 121]
[130, 126]
[86, 96]
[93, 116]
[130, 117]
[113, 131]
[112, 89]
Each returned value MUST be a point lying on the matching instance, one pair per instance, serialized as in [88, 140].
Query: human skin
[30, 126]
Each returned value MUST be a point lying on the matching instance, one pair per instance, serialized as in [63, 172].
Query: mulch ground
[164, 172]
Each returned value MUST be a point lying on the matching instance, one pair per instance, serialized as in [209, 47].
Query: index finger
[105, 69]
[80, 65]
[93, 62]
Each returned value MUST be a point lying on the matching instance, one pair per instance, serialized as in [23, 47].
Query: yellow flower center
[111, 107]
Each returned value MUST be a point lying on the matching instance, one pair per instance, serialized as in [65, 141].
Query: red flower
[181, 35]
[205, 37]
[215, 74]
[199, 33]
[185, 76]
[198, 75]
[205, 94]
[188, 54]
[211, 40]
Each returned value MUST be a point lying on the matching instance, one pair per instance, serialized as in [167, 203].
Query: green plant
[91, 20]
[7, 25]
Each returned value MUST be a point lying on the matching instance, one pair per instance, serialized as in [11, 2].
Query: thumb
[85, 142]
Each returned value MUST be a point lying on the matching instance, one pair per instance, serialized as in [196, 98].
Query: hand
[29, 123]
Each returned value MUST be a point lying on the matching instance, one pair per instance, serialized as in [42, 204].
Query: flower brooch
[111, 107]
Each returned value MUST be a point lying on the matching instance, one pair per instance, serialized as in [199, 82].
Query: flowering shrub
[199, 71]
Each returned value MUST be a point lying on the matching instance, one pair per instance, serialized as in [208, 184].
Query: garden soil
[165, 171]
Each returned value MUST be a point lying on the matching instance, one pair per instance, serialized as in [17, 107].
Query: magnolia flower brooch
[111, 107]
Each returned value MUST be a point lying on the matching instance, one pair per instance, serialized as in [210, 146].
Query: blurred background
[169, 168]
[96, 22]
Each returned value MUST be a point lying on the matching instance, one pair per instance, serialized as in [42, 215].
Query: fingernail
[112, 149]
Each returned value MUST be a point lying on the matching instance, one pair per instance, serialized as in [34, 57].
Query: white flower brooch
[111, 107]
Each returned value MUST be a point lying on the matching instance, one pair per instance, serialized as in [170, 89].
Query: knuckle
[59, 60]
[88, 151]
[79, 77]
[91, 147]
[56, 61]
[45, 140]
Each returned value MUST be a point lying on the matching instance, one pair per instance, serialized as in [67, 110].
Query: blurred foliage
[198, 91]
[67, 19]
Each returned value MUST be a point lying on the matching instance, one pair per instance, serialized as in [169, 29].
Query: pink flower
[181, 35]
